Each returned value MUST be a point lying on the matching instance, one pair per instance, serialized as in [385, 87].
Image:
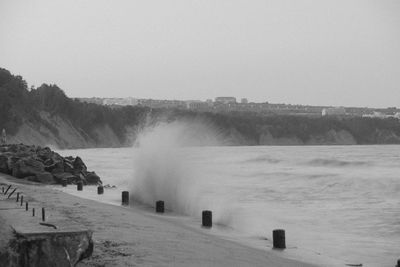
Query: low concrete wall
[49, 249]
[27, 240]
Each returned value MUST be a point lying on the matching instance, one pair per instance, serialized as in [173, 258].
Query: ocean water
[338, 204]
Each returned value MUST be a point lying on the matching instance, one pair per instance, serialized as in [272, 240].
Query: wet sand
[131, 236]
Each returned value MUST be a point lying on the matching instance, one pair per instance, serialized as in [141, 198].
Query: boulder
[92, 178]
[79, 166]
[27, 167]
[3, 164]
[68, 166]
[31, 178]
[43, 165]
[12, 160]
[56, 167]
[44, 153]
[44, 177]
[65, 176]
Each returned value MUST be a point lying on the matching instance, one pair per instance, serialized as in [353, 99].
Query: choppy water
[340, 204]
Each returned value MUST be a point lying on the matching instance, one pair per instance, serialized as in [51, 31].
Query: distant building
[334, 111]
[197, 105]
[225, 100]
[93, 100]
[116, 101]
[244, 101]
[381, 115]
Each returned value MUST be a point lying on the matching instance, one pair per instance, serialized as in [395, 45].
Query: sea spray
[164, 171]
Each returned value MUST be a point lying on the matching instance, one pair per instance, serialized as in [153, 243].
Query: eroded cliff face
[65, 136]
[57, 132]
[331, 137]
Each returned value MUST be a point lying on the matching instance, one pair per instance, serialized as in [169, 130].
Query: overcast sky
[328, 52]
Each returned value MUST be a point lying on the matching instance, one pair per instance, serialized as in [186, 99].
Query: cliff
[45, 116]
[66, 135]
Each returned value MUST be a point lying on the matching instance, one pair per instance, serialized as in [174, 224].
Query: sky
[317, 52]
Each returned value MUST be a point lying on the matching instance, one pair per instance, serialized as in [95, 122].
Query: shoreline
[220, 231]
[129, 236]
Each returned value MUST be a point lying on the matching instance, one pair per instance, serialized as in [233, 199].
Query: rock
[27, 167]
[92, 178]
[44, 165]
[68, 166]
[31, 178]
[3, 164]
[44, 153]
[65, 176]
[56, 167]
[45, 177]
[79, 166]
[12, 160]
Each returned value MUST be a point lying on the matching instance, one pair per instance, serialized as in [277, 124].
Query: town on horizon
[230, 103]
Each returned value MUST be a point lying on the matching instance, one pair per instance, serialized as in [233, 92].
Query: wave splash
[164, 171]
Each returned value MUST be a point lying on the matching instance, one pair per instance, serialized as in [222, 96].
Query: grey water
[338, 204]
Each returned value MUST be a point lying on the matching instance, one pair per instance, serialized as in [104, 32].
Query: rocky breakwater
[41, 164]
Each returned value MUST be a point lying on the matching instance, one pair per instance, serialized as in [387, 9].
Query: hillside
[46, 116]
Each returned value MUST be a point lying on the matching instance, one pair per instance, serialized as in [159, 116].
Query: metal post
[15, 189]
[8, 188]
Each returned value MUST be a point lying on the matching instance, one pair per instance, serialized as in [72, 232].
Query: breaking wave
[161, 171]
[337, 163]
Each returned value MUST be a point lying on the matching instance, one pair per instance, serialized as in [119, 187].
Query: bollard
[43, 215]
[26, 206]
[100, 190]
[125, 198]
[207, 218]
[17, 197]
[398, 263]
[22, 200]
[160, 206]
[33, 212]
[79, 186]
[8, 188]
[278, 237]
[15, 189]
[64, 183]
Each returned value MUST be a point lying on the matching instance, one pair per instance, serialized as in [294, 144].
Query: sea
[338, 205]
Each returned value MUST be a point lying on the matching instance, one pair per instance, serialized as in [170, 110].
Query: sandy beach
[130, 236]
